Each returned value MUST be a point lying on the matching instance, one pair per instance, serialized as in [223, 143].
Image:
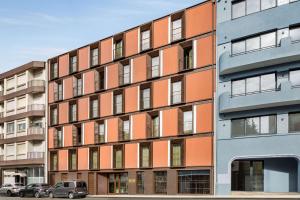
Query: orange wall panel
[50, 138]
[204, 118]
[63, 111]
[105, 157]
[106, 51]
[160, 154]
[160, 93]
[63, 160]
[112, 130]
[171, 60]
[199, 151]
[139, 126]
[51, 92]
[170, 125]
[131, 155]
[83, 108]
[113, 76]
[63, 64]
[204, 82]
[68, 88]
[68, 139]
[83, 158]
[83, 58]
[106, 104]
[89, 133]
[131, 42]
[139, 69]
[205, 51]
[199, 20]
[160, 32]
[131, 98]
[89, 82]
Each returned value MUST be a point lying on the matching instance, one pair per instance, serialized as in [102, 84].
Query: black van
[70, 189]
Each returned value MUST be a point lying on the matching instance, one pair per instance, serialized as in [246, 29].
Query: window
[58, 138]
[140, 179]
[176, 91]
[53, 115]
[188, 58]
[54, 70]
[253, 6]
[254, 126]
[77, 135]
[294, 122]
[94, 107]
[100, 79]
[263, 83]
[53, 161]
[194, 182]
[21, 81]
[238, 9]
[145, 98]
[118, 102]
[154, 125]
[124, 73]
[10, 127]
[125, 129]
[118, 183]
[95, 56]
[154, 70]
[118, 49]
[21, 126]
[94, 158]
[145, 155]
[58, 91]
[145, 40]
[177, 29]
[100, 132]
[266, 4]
[21, 104]
[295, 33]
[10, 84]
[72, 159]
[177, 156]
[188, 121]
[77, 86]
[10, 106]
[73, 111]
[295, 77]
[160, 182]
[73, 64]
[262, 41]
[118, 157]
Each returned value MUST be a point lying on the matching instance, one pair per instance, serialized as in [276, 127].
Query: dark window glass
[295, 77]
[238, 9]
[160, 182]
[238, 47]
[194, 182]
[188, 58]
[155, 126]
[294, 122]
[54, 70]
[145, 155]
[94, 158]
[140, 182]
[73, 64]
[238, 127]
[53, 161]
[177, 153]
[295, 33]
[118, 49]
[72, 160]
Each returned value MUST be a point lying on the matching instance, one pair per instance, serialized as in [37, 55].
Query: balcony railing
[35, 131]
[36, 83]
[35, 155]
[36, 107]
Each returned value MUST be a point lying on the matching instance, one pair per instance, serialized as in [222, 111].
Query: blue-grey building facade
[258, 96]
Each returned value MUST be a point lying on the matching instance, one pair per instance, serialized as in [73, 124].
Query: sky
[40, 29]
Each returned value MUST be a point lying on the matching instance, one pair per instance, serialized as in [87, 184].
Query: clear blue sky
[40, 29]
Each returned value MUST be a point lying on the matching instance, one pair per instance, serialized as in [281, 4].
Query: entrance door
[247, 175]
[118, 183]
[91, 183]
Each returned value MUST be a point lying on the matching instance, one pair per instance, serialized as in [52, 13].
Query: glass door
[118, 183]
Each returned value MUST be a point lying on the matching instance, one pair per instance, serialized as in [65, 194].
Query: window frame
[73, 65]
[148, 145]
[70, 153]
[120, 147]
[180, 142]
[91, 161]
[182, 93]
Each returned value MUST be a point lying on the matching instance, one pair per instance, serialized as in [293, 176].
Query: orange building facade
[133, 113]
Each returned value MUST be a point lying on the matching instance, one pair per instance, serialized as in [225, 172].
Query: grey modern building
[258, 94]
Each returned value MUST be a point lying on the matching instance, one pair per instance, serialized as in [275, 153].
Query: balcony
[33, 87]
[32, 158]
[32, 134]
[286, 95]
[288, 51]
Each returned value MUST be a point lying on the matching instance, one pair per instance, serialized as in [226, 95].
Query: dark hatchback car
[70, 189]
[34, 190]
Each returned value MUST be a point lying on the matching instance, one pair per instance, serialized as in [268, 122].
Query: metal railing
[36, 107]
[35, 131]
[35, 155]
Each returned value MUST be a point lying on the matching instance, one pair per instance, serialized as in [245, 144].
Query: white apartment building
[23, 124]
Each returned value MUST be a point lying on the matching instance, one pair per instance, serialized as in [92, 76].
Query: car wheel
[37, 195]
[71, 195]
[9, 193]
[21, 194]
[51, 195]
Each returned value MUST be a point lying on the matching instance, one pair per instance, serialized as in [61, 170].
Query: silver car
[11, 189]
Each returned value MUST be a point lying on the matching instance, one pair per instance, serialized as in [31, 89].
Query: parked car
[70, 189]
[34, 190]
[11, 189]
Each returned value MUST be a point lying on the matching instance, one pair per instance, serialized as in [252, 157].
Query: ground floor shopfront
[162, 181]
